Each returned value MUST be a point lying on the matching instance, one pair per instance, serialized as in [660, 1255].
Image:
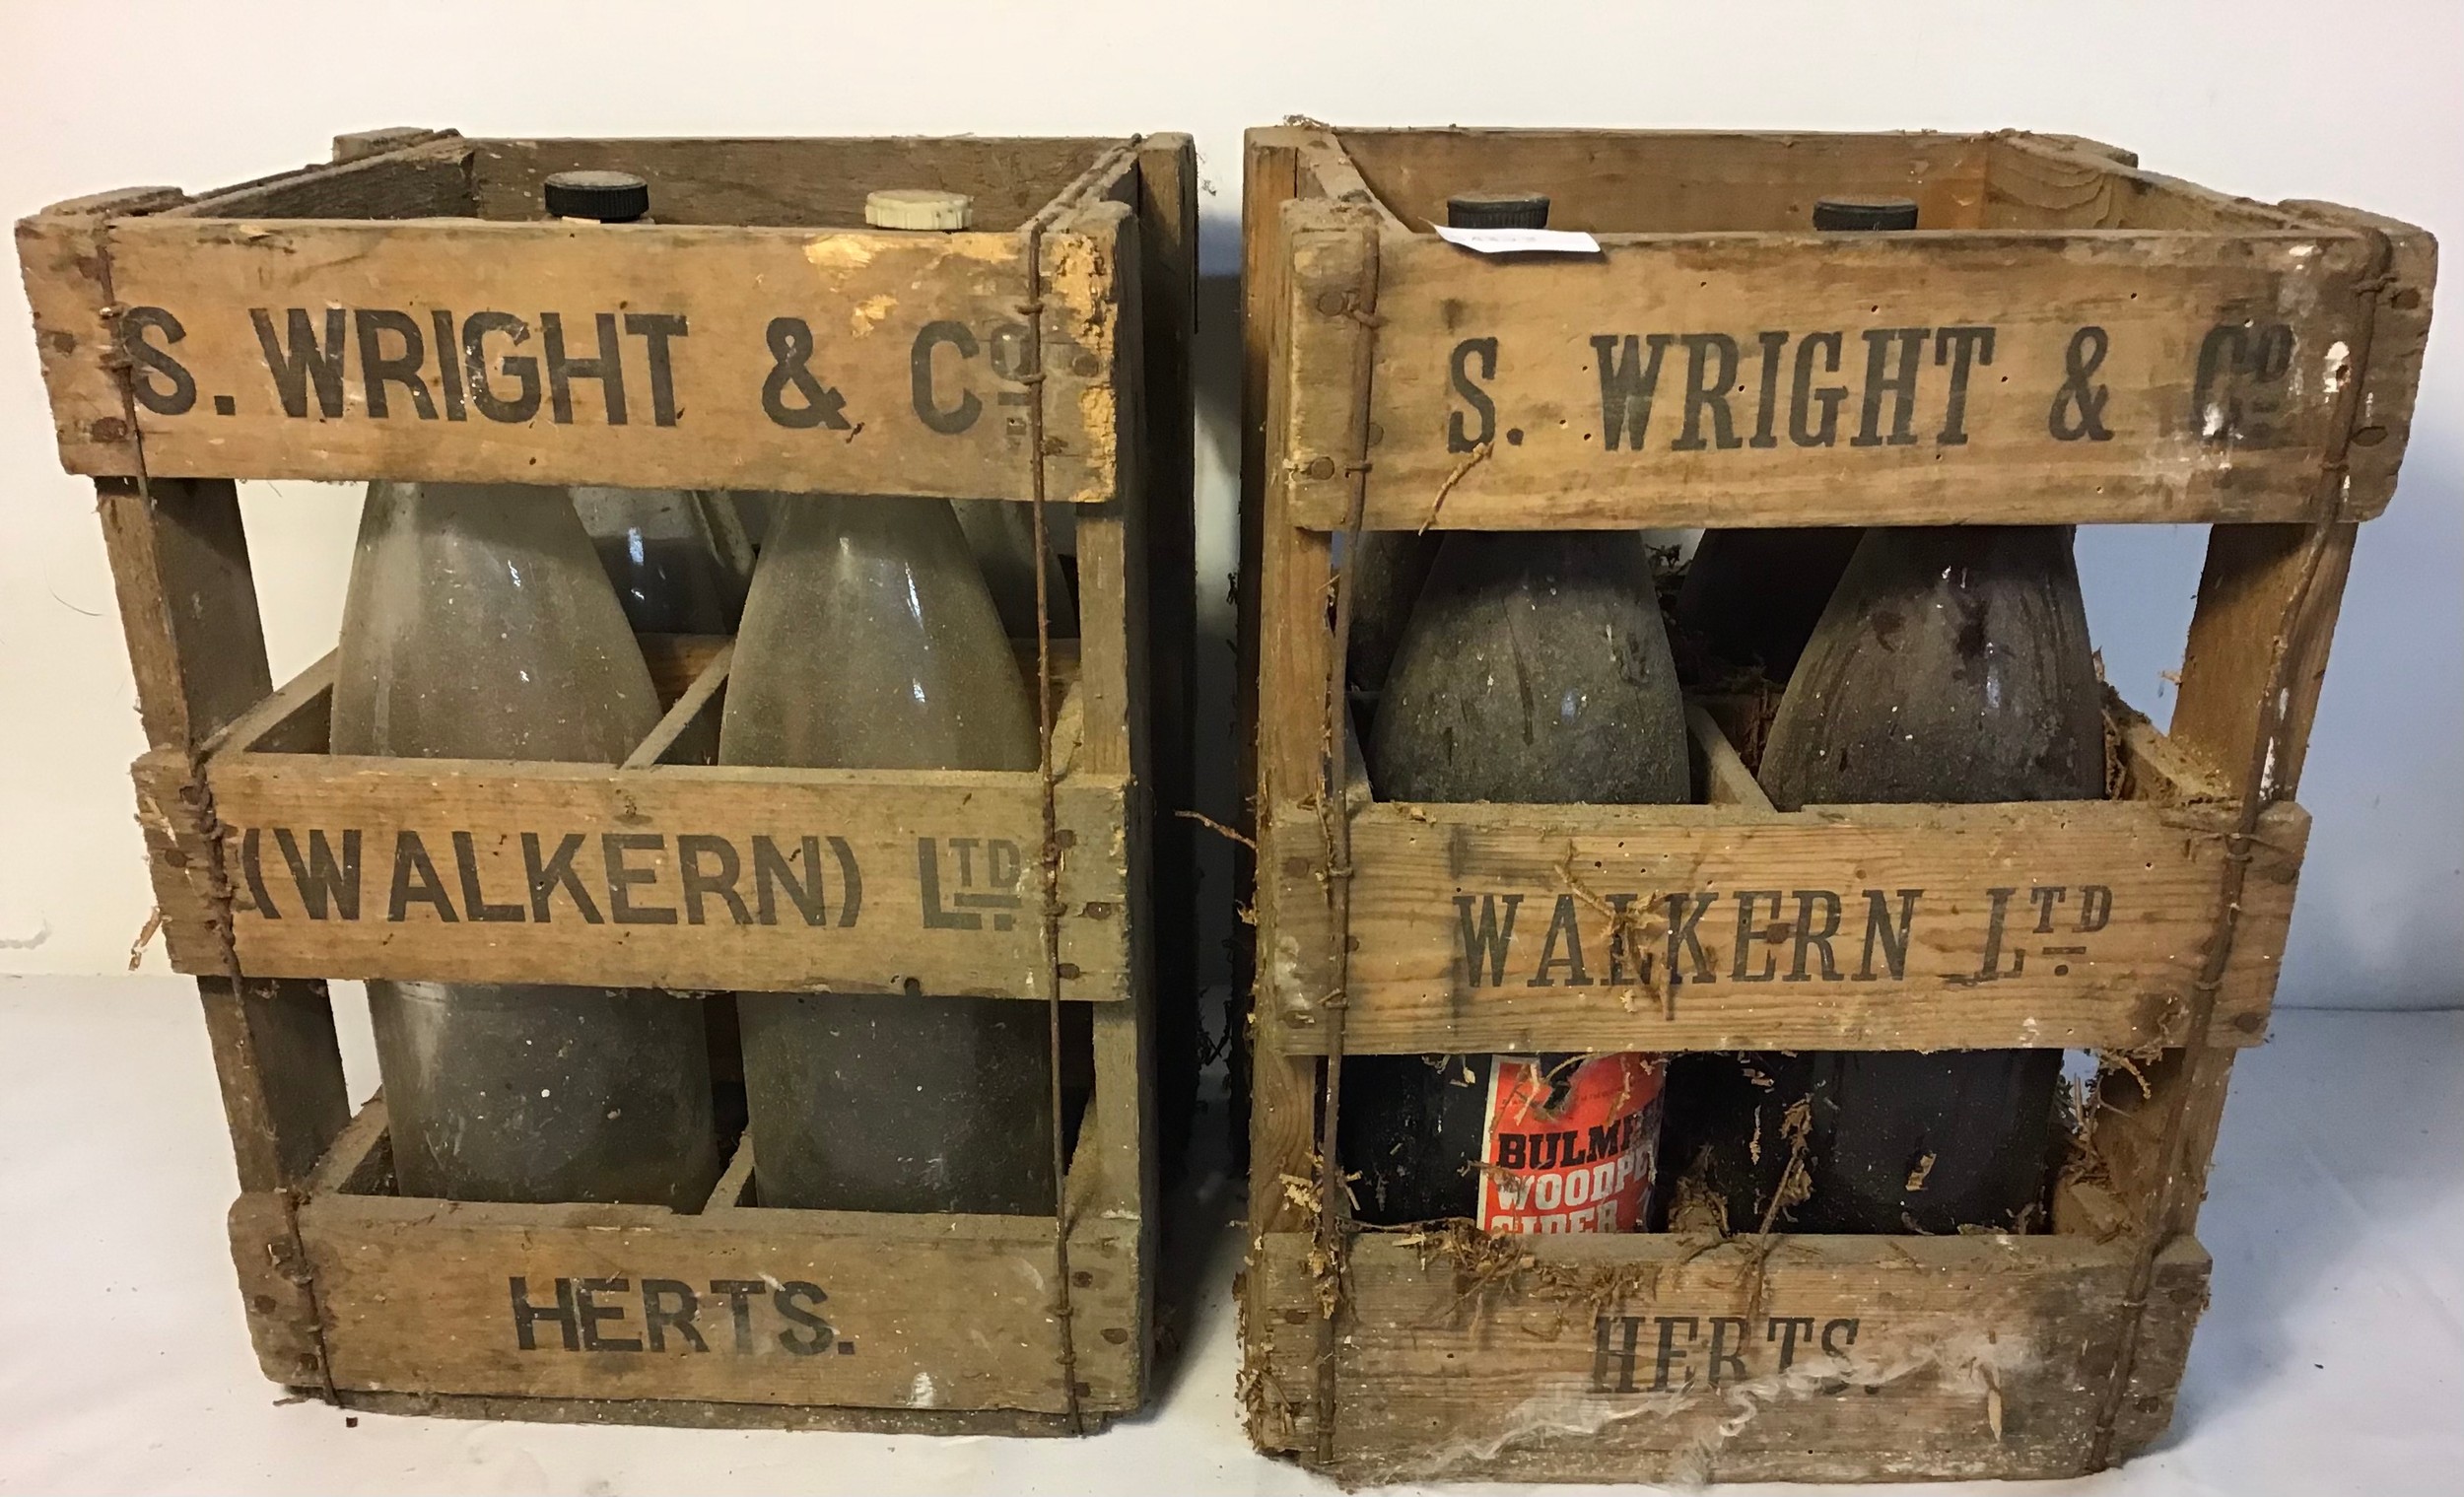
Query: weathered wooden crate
[757, 337]
[2140, 350]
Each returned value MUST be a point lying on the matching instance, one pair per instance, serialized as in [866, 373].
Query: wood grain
[922, 1311]
[1481, 928]
[1959, 1356]
[659, 934]
[1672, 182]
[866, 298]
[1564, 455]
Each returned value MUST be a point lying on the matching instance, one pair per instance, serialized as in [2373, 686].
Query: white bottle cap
[919, 208]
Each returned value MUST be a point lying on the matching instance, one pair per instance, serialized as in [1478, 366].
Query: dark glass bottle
[478, 625]
[1534, 668]
[869, 642]
[1750, 598]
[1953, 666]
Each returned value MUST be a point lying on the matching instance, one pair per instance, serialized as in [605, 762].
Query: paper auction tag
[1520, 240]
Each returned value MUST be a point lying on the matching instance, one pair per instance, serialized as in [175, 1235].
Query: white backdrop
[2355, 103]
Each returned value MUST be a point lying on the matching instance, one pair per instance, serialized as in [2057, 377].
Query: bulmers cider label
[1569, 1142]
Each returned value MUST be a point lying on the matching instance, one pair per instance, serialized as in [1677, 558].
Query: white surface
[2355, 101]
[1520, 240]
[2332, 1362]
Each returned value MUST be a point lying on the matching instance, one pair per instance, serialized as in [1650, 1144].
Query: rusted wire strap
[1334, 1224]
[1032, 311]
[2270, 746]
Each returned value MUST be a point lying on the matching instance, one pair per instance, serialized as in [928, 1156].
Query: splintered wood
[2064, 339]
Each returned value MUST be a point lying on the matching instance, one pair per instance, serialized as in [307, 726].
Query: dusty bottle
[1953, 666]
[1534, 668]
[1393, 565]
[1001, 534]
[478, 625]
[869, 642]
[669, 551]
[1750, 597]
[661, 550]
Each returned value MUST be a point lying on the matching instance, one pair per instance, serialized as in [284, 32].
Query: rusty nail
[1321, 467]
[1333, 302]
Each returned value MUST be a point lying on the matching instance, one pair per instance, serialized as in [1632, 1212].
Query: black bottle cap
[1497, 210]
[611, 197]
[1853, 214]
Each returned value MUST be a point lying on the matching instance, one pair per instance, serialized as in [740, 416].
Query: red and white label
[1569, 1148]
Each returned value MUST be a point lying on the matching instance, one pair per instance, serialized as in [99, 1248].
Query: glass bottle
[1001, 534]
[871, 641]
[667, 564]
[1953, 666]
[478, 625]
[1750, 597]
[1534, 668]
[671, 570]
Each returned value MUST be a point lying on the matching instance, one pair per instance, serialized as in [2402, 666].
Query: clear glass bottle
[479, 625]
[1001, 533]
[669, 569]
[871, 641]
[1534, 668]
[1953, 666]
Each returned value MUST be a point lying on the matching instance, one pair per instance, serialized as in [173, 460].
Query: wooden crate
[758, 336]
[2158, 352]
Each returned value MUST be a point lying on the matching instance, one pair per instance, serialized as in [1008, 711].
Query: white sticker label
[1521, 241]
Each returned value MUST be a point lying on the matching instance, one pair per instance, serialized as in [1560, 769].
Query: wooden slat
[1493, 928]
[1672, 181]
[414, 178]
[691, 723]
[358, 145]
[793, 183]
[296, 719]
[1100, 256]
[2164, 336]
[1724, 778]
[2244, 622]
[931, 1312]
[1283, 576]
[704, 1413]
[180, 564]
[1947, 1356]
[978, 826]
[2046, 182]
[693, 415]
[1269, 176]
